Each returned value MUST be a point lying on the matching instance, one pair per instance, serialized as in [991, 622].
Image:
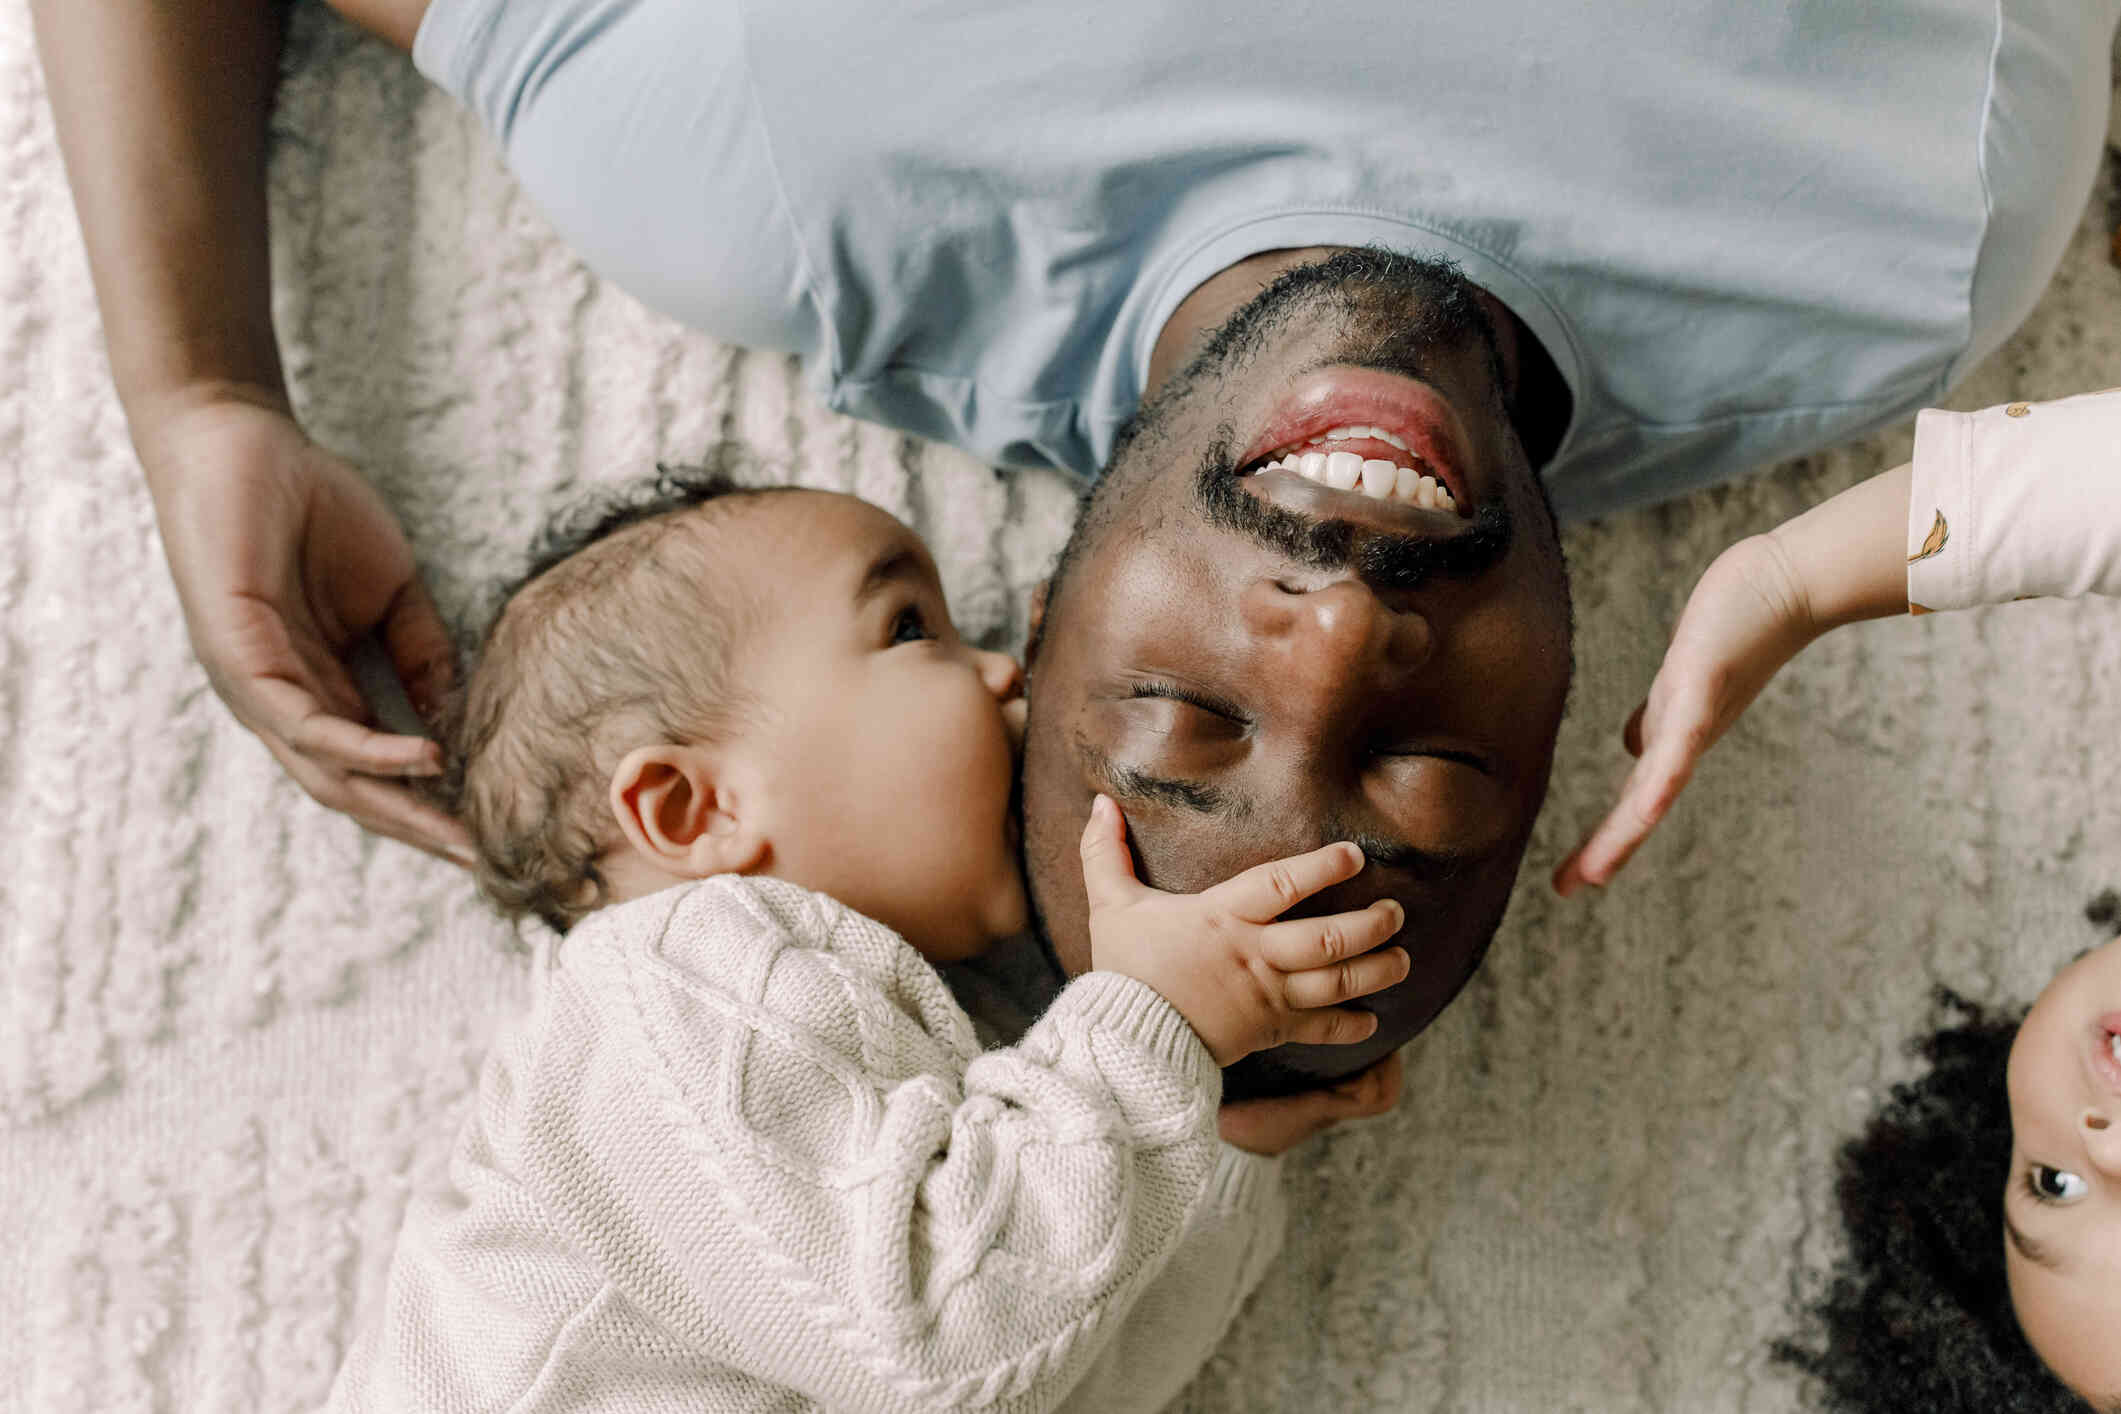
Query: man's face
[1254, 664]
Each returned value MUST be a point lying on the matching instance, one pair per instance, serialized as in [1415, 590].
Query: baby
[744, 1151]
[2015, 502]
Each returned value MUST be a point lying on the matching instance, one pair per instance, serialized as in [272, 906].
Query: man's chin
[1290, 1070]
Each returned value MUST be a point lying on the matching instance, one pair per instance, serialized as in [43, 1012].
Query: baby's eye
[911, 626]
[2053, 1185]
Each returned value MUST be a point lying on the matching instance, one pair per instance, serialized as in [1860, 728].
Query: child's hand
[1745, 619]
[1243, 981]
[1275, 1124]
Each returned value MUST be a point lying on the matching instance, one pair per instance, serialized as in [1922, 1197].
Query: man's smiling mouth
[1383, 437]
[1318, 500]
[1368, 460]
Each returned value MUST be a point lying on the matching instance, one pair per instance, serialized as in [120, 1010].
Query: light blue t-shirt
[1742, 230]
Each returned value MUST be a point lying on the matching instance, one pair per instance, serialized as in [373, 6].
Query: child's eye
[911, 626]
[2053, 1185]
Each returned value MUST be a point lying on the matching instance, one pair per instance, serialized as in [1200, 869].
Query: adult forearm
[161, 111]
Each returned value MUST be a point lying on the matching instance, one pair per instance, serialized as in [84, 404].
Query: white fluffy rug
[235, 1033]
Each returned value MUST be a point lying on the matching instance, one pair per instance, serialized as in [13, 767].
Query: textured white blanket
[235, 1033]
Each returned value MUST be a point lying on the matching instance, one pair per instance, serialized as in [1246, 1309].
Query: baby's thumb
[1108, 870]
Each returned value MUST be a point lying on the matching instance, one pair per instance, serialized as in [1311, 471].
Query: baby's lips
[1013, 713]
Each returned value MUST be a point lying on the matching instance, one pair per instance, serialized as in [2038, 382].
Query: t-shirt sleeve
[767, 1120]
[2016, 502]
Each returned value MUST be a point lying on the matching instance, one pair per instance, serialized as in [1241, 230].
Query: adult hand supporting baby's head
[284, 559]
[1278, 1123]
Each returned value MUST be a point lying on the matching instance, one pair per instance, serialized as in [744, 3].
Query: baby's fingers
[1333, 1026]
[1300, 944]
[1266, 891]
[1108, 870]
[1345, 981]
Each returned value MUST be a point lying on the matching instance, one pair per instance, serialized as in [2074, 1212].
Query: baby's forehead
[817, 537]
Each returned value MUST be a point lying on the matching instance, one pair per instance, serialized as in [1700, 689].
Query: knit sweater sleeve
[2016, 502]
[763, 1115]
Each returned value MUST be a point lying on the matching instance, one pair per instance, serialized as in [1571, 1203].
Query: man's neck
[1538, 396]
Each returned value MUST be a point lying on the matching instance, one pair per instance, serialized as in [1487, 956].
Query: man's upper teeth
[1353, 431]
[1378, 479]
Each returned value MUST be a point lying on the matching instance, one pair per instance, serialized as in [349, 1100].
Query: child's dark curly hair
[1917, 1315]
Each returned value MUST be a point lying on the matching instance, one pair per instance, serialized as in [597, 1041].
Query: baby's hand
[1242, 980]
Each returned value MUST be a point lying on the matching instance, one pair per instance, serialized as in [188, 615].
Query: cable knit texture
[236, 1036]
[744, 1142]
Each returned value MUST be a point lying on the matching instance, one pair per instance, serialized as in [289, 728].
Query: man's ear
[1507, 351]
[681, 813]
[1038, 621]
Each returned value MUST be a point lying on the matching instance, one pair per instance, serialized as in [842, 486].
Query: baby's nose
[2102, 1140]
[1002, 675]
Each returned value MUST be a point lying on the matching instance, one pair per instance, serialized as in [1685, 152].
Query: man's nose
[2101, 1129]
[1336, 634]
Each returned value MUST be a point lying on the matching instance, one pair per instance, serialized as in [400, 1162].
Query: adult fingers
[419, 648]
[382, 807]
[1108, 870]
[293, 715]
[1345, 981]
[1266, 891]
[1374, 1091]
[1329, 1026]
[1278, 1123]
[1299, 944]
[396, 812]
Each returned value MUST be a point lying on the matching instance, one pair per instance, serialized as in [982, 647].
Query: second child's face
[2062, 1205]
[888, 744]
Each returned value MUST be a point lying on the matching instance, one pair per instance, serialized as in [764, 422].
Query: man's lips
[1412, 411]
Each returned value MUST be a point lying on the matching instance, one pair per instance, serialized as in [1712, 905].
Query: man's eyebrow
[1133, 783]
[897, 563]
[2032, 1251]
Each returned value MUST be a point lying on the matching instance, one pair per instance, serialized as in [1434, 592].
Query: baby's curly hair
[1918, 1315]
[622, 633]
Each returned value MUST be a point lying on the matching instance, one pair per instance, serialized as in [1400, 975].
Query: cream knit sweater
[744, 1153]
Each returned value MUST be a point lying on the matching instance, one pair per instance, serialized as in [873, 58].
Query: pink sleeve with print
[2016, 502]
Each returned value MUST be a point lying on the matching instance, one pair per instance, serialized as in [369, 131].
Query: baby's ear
[680, 812]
